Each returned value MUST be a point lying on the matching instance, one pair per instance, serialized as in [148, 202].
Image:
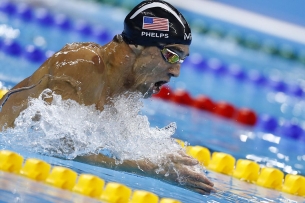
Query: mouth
[158, 86]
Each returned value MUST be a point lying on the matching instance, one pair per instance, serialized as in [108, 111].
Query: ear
[137, 49]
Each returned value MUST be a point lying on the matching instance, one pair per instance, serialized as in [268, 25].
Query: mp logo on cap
[187, 36]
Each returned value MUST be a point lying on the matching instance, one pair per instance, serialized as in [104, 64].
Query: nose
[174, 70]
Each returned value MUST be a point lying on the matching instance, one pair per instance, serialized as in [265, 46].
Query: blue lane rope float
[44, 18]
[235, 71]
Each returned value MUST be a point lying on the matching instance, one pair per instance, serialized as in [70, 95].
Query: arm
[180, 169]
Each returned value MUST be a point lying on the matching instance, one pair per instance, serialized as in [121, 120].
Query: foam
[67, 129]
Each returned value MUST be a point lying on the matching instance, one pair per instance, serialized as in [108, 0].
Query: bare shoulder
[78, 55]
[79, 50]
[80, 45]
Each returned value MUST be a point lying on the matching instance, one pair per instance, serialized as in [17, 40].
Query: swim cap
[155, 22]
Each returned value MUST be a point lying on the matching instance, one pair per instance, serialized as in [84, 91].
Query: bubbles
[151, 90]
[67, 129]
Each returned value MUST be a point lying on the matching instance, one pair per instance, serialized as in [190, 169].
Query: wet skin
[92, 74]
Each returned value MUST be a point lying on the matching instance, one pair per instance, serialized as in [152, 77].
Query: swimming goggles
[170, 56]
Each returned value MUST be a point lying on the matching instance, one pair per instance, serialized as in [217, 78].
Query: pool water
[30, 36]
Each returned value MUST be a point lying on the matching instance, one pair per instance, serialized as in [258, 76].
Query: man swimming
[150, 50]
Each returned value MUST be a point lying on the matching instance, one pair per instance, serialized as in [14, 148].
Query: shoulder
[79, 48]
[80, 53]
[81, 45]
[79, 56]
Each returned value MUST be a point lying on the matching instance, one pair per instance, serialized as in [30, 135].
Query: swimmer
[149, 51]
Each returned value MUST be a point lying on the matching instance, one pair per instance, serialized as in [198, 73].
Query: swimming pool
[269, 148]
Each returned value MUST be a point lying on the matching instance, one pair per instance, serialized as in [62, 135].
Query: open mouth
[158, 85]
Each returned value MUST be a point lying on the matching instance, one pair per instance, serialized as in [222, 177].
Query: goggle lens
[171, 56]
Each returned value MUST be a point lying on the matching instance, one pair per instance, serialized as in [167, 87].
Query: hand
[182, 169]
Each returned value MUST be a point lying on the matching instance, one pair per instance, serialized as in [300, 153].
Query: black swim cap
[155, 22]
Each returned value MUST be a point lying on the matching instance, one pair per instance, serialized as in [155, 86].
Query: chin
[145, 90]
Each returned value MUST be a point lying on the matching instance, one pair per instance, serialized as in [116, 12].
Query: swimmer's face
[151, 70]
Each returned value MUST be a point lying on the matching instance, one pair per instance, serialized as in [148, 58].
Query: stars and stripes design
[155, 23]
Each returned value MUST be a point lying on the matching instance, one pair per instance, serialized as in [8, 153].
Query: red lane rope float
[203, 102]
[244, 116]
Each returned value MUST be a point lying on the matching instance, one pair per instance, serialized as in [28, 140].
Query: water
[81, 130]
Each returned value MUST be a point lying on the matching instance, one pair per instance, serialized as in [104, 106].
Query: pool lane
[226, 196]
[13, 187]
[218, 87]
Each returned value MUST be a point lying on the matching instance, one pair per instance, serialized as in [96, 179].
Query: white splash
[67, 129]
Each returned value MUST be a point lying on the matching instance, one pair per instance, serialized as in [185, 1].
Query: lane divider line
[93, 186]
[247, 170]
[67, 179]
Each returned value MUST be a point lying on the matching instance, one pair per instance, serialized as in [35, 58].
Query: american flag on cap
[155, 23]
